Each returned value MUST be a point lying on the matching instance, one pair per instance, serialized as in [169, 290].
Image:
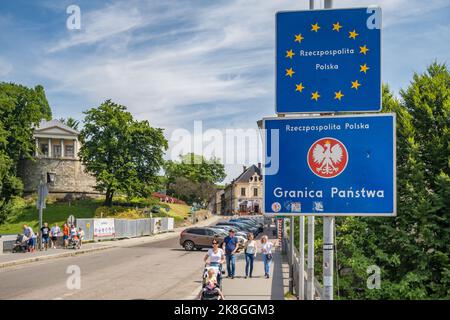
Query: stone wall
[71, 179]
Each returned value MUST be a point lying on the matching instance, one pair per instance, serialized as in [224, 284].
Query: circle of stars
[336, 27]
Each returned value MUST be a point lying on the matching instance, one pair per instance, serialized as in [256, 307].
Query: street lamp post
[47, 179]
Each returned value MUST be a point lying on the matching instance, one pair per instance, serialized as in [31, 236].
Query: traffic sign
[70, 220]
[328, 60]
[341, 165]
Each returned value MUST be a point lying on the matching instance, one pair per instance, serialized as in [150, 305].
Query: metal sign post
[328, 251]
[40, 204]
[301, 267]
[310, 270]
[291, 255]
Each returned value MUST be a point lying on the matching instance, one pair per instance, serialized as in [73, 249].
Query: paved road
[157, 270]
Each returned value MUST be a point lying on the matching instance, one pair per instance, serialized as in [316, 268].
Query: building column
[75, 148]
[62, 148]
[36, 153]
[49, 148]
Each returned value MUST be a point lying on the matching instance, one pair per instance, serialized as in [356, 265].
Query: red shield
[327, 157]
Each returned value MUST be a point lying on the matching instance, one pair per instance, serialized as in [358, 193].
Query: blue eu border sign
[328, 60]
[340, 165]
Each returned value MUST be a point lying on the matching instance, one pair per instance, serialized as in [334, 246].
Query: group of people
[49, 236]
[217, 256]
[251, 247]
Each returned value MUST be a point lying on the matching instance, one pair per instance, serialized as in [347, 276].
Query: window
[201, 232]
[68, 151]
[243, 192]
[56, 151]
[255, 192]
[44, 149]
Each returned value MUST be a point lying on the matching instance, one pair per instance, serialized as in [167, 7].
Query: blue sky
[174, 62]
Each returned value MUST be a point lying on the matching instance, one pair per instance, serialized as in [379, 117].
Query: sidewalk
[257, 287]
[14, 259]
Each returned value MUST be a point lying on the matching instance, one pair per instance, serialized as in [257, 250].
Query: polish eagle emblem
[327, 157]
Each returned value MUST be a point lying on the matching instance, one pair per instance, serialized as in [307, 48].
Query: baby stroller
[74, 243]
[207, 292]
[21, 244]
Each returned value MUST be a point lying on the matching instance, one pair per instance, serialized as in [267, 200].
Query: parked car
[250, 222]
[199, 238]
[227, 228]
[233, 225]
[245, 226]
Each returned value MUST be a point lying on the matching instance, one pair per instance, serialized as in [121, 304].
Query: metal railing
[295, 263]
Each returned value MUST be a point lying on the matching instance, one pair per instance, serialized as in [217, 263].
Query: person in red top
[66, 231]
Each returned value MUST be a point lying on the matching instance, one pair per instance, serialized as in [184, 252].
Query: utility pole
[310, 272]
[301, 258]
[40, 204]
[291, 255]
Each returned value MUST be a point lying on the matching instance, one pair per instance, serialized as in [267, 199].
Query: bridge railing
[295, 262]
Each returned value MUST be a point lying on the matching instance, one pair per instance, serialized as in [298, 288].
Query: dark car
[250, 222]
[239, 226]
[249, 228]
[233, 225]
[199, 238]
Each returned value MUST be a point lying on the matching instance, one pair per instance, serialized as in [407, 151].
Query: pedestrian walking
[80, 237]
[55, 232]
[230, 245]
[250, 253]
[45, 235]
[66, 231]
[266, 250]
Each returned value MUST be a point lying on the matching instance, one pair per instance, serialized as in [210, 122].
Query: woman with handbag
[266, 250]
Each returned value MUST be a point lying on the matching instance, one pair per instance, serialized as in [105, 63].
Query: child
[211, 284]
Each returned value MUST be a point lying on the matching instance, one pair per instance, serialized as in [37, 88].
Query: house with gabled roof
[243, 195]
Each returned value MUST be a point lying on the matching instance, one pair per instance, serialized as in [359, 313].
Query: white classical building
[56, 155]
[54, 139]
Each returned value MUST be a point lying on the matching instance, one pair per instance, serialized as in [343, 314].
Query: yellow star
[298, 38]
[315, 95]
[355, 84]
[290, 54]
[353, 34]
[336, 26]
[364, 68]
[363, 49]
[315, 27]
[299, 87]
[289, 72]
[338, 95]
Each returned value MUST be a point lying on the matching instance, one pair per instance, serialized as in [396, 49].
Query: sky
[185, 64]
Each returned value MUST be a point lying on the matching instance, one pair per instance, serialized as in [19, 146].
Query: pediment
[55, 130]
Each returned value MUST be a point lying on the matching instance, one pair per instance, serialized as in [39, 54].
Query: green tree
[190, 191]
[21, 110]
[124, 155]
[71, 122]
[193, 178]
[412, 249]
[195, 168]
